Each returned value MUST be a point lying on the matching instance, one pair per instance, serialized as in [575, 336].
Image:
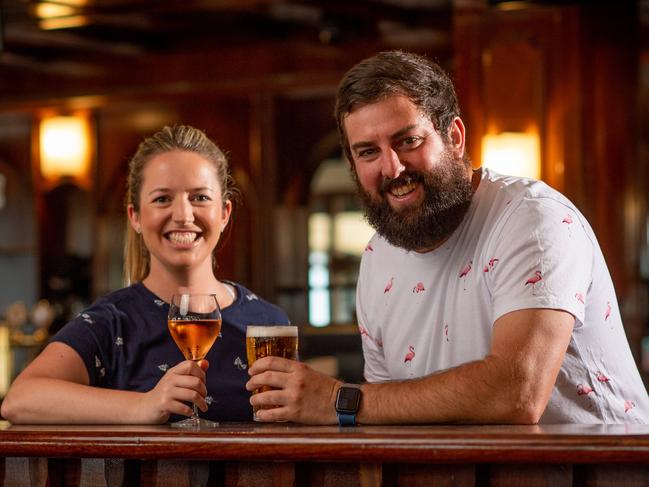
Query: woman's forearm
[40, 400]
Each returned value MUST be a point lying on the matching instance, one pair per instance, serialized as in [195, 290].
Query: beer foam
[271, 331]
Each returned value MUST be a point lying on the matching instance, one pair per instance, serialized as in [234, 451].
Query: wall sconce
[65, 148]
[512, 153]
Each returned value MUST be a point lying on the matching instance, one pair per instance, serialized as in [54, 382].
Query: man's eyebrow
[403, 131]
[361, 144]
[399, 133]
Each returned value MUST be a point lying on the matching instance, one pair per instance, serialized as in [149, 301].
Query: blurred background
[553, 89]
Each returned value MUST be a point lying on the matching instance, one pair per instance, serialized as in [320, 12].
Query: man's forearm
[484, 391]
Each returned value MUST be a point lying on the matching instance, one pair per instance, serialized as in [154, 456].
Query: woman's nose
[183, 211]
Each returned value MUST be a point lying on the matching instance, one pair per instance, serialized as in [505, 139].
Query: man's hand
[182, 384]
[300, 394]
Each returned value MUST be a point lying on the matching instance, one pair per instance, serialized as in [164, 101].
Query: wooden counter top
[387, 448]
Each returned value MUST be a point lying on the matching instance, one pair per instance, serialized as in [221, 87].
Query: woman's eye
[161, 199]
[202, 197]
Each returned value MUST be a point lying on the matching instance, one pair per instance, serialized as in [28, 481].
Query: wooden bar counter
[248, 454]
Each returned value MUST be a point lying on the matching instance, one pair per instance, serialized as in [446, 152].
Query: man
[481, 299]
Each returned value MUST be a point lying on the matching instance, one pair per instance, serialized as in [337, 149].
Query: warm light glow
[513, 154]
[352, 232]
[47, 10]
[63, 22]
[64, 147]
[5, 360]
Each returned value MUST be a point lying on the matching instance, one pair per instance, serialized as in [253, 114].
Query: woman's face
[182, 213]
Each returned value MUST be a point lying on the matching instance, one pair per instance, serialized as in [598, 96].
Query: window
[337, 236]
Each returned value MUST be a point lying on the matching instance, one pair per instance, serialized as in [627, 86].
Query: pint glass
[264, 341]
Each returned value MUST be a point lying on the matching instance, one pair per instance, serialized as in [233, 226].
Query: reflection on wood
[286, 455]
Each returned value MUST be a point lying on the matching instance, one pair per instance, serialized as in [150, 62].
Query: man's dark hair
[389, 73]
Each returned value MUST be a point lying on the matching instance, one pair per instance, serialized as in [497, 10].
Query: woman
[116, 362]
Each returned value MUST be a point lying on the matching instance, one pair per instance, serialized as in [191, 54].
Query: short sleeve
[90, 335]
[375, 369]
[542, 258]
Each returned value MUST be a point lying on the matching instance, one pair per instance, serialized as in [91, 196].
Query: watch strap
[346, 419]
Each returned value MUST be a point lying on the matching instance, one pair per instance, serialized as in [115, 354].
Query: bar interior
[553, 90]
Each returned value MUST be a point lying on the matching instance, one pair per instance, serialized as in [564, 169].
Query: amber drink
[264, 341]
[194, 337]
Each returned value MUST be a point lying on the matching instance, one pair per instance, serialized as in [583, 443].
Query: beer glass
[194, 323]
[264, 341]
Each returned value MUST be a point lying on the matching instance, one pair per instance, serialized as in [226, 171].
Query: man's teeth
[403, 189]
[182, 237]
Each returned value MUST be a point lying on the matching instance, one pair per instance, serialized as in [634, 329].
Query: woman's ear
[134, 218]
[227, 213]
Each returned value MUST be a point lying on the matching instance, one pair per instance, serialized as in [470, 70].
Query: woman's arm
[54, 389]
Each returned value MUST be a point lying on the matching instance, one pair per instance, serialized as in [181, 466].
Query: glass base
[194, 424]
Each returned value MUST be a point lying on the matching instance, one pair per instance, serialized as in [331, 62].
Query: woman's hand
[181, 385]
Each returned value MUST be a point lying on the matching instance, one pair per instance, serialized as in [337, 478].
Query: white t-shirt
[521, 245]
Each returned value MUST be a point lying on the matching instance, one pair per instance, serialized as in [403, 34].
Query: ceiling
[75, 37]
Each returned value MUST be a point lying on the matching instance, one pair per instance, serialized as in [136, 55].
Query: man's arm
[511, 385]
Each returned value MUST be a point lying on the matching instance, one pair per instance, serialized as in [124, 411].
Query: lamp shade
[512, 153]
[64, 143]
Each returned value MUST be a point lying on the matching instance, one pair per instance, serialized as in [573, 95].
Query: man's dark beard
[447, 196]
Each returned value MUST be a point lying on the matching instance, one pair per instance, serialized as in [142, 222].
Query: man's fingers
[271, 363]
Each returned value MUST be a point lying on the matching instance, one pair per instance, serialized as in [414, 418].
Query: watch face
[348, 400]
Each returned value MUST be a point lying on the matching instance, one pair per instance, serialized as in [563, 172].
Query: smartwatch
[348, 401]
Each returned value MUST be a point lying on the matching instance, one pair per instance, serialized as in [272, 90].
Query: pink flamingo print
[419, 288]
[601, 377]
[388, 286]
[490, 265]
[465, 272]
[584, 390]
[607, 313]
[369, 248]
[568, 221]
[534, 280]
[446, 331]
[409, 356]
[628, 406]
[580, 298]
[379, 342]
[363, 331]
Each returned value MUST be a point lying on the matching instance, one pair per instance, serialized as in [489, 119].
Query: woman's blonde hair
[176, 138]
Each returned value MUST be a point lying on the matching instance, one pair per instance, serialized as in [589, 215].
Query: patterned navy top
[124, 341]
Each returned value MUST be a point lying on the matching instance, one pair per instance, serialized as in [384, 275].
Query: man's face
[413, 183]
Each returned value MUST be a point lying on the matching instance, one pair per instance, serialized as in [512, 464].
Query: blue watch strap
[346, 419]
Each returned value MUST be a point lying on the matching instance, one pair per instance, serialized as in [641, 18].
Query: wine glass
[194, 323]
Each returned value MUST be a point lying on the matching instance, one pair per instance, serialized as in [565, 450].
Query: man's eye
[366, 153]
[411, 142]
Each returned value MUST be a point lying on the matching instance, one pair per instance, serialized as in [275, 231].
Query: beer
[276, 341]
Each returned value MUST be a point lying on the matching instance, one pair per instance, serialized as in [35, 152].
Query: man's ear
[456, 134]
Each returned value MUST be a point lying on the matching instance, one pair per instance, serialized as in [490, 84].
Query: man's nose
[183, 211]
[391, 166]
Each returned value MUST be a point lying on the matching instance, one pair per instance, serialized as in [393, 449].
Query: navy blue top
[125, 344]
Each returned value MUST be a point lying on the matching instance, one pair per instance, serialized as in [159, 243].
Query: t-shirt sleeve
[91, 335]
[542, 258]
[375, 369]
